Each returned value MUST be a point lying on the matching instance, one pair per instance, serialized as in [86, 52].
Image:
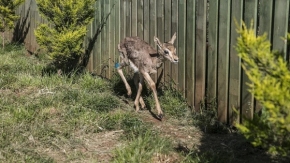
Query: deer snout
[175, 59]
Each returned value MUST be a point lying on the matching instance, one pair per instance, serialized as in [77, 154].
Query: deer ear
[172, 39]
[157, 42]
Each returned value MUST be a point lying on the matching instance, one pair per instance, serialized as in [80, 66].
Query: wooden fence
[209, 68]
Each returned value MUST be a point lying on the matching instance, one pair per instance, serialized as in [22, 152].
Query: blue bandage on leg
[117, 65]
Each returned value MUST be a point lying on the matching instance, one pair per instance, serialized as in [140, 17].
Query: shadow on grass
[221, 143]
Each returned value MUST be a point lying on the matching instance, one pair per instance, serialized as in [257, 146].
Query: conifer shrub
[62, 38]
[8, 15]
[270, 85]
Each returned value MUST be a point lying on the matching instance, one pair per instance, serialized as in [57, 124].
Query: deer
[144, 60]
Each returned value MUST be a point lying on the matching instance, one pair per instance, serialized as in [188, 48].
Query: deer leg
[136, 82]
[136, 102]
[128, 88]
[153, 87]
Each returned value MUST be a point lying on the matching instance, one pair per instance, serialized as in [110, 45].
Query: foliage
[269, 76]
[63, 38]
[7, 14]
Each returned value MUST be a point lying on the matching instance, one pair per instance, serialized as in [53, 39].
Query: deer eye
[166, 51]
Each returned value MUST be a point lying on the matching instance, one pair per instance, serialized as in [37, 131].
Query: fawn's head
[167, 49]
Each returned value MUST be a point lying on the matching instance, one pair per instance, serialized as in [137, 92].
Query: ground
[84, 118]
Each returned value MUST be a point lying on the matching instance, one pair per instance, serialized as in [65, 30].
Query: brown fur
[137, 53]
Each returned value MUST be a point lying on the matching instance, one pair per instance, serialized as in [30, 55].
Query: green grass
[63, 118]
[43, 115]
[40, 112]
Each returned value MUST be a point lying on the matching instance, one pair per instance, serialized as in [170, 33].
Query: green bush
[269, 76]
[63, 38]
[7, 15]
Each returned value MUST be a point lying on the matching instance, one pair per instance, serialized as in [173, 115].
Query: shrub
[7, 15]
[63, 39]
[269, 76]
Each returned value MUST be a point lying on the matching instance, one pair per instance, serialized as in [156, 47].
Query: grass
[43, 115]
[45, 112]
[171, 100]
[81, 118]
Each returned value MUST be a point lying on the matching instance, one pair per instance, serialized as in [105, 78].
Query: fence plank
[98, 52]
[112, 37]
[152, 28]
[190, 49]
[28, 36]
[174, 28]
[146, 17]
[128, 4]
[235, 63]
[140, 26]
[167, 36]
[160, 35]
[181, 42]
[223, 59]
[134, 17]
[212, 51]
[201, 7]
[281, 15]
[117, 28]
[250, 14]
[94, 30]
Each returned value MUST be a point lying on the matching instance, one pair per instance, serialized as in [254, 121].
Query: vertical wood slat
[181, 42]
[94, 26]
[146, 18]
[99, 39]
[167, 36]
[86, 42]
[200, 53]
[112, 38]
[140, 18]
[190, 49]
[212, 51]
[107, 50]
[27, 38]
[134, 17]
[103, 40]
[235, 63]
[160, 34]
[174, 28]
[122, 20]
[117, 29]
[223, 59]
[280, 29]
[128, 4]
[250, 14]
[152, 28]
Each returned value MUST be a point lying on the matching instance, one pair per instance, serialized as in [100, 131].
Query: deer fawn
[144, 60]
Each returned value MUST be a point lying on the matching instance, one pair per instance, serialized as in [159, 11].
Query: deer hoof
[143, 108]
[160, 116]
[129, 94]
